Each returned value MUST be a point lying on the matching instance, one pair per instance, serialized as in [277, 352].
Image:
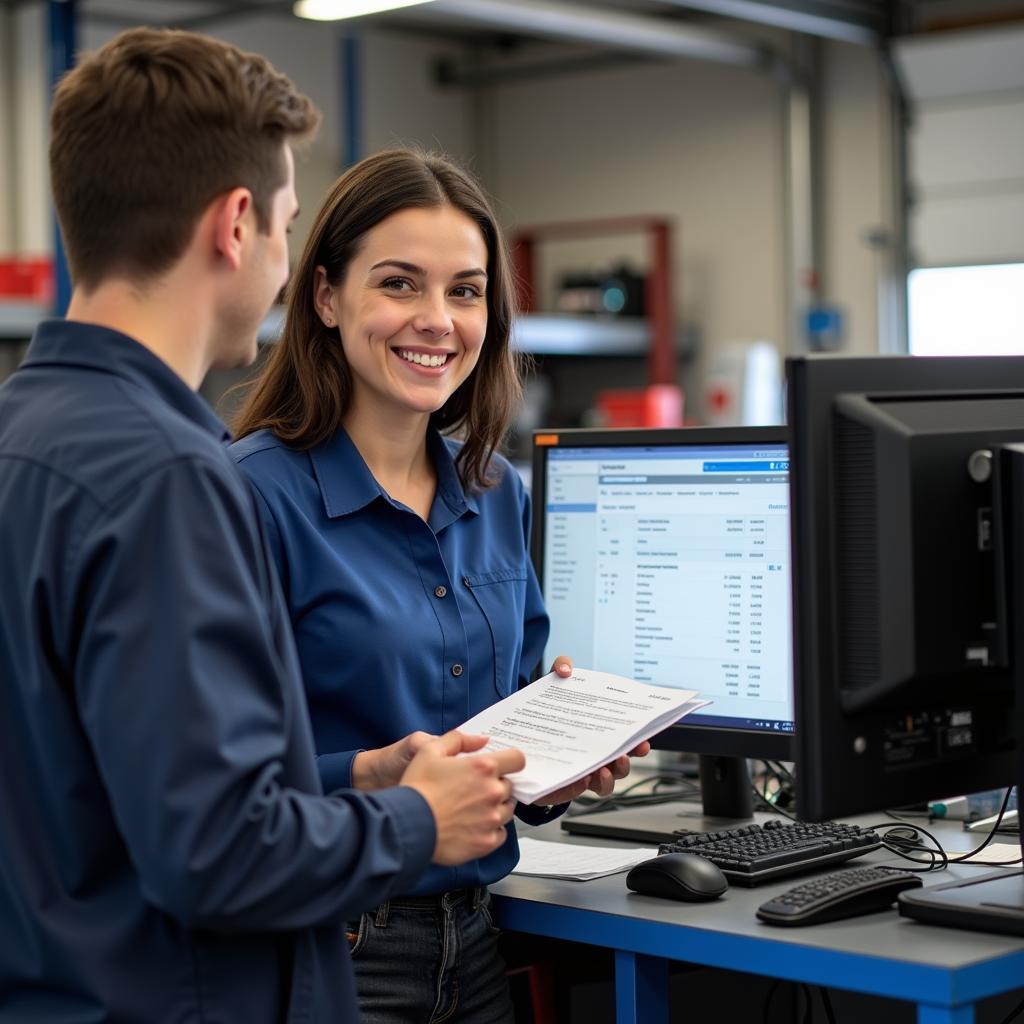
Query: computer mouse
[678, 876]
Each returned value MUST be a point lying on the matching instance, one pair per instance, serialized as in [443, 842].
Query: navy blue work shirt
[166, 853]
[400, 624]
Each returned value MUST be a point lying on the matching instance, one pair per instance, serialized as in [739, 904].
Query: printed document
[569, 727]
[577, 863]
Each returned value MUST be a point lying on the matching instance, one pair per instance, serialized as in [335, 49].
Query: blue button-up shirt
[400, 624]
[166, 853]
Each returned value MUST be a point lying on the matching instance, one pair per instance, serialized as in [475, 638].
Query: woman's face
[412, 309]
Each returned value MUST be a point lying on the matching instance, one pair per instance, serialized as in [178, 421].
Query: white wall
[402, 104]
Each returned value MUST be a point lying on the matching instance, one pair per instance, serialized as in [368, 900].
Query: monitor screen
[903, 675]
[663, 555]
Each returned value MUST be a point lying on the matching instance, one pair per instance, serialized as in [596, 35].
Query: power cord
[783, 795]
[904, 841]
[679, 787]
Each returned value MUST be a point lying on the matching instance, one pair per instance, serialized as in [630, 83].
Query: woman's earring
[329, 321]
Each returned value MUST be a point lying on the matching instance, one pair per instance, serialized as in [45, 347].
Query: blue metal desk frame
[943, 971]
[644, 948]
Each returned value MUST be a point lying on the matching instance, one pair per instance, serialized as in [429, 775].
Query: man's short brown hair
[148, 131]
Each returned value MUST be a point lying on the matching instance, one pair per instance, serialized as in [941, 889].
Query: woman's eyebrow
[412, 268]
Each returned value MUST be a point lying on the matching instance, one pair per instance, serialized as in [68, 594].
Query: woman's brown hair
[305, 386]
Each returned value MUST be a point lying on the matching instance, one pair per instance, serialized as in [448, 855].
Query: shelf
[18, 319]
[540, 334]
[555, 334]
[273, 323]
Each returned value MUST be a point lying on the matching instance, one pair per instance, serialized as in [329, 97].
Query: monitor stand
[725, 787]
[727, 803]
[992, 903]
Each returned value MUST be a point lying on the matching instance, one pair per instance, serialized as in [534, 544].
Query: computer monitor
[906, 520]
[663, 555]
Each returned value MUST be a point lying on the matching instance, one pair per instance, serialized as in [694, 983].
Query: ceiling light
[336, 10]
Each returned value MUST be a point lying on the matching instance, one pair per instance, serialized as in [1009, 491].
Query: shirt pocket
[501, 598]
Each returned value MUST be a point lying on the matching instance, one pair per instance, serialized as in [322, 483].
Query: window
[961, 311]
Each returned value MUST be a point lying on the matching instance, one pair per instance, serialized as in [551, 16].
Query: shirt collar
[72, 343]
[347, 484]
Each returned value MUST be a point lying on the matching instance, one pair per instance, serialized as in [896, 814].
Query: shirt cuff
[336, 769]
[417, 832]
[538, 814]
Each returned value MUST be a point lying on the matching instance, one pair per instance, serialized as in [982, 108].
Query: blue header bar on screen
[710, 452]
[755, 466]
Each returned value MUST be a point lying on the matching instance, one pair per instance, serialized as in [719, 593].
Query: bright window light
[967, 311]
[336, 10]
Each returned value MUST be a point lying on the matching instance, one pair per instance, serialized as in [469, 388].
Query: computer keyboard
[755, 854]
[846, 893]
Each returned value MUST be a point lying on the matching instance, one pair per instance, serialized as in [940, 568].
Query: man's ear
[232, 222]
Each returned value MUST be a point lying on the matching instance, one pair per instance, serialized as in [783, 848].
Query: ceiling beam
[814, 19]
[604, 27]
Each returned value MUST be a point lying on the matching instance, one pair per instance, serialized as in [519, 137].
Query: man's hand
[384, 766]
[470, 797]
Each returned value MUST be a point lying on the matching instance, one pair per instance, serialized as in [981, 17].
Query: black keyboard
[755, 854]
[846, 893]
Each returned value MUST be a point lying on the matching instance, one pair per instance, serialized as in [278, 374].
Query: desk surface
[881, 953]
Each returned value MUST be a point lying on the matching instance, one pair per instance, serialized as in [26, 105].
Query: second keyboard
[755, 854]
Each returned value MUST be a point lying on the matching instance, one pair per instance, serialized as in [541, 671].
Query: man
[166, 852]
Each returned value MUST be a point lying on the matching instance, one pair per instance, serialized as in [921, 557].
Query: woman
[403, 554]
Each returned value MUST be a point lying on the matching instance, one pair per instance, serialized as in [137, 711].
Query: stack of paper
[567, 728]
[579, 863]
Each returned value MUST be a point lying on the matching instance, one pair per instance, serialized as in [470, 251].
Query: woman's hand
[384, 766]
[602, 781]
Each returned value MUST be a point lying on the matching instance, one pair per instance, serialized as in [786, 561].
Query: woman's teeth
[421, 359]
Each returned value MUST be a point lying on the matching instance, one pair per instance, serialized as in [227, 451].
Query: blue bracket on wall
[352, 98]
[63, 23]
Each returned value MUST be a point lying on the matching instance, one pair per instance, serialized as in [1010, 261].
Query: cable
[769, 996]
[808, 1016]
[628, 797]
[938, 859]
[910, 849]
[964, 857]
[826, 1001]
[1013, 1014]
[783, 793]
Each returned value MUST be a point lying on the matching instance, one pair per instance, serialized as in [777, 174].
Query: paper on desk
[996, 853]
[569, 727]
[579, 863]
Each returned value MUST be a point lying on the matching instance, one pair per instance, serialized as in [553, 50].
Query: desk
[945, 972]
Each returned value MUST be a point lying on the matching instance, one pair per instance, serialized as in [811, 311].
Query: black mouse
[678, 876]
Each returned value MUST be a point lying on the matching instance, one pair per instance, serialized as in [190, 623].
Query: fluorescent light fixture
[336, 10]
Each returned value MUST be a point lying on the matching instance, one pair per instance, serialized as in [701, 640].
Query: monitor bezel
[683, 737]
[835, 778]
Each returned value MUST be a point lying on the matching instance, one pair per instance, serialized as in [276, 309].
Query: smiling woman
[403, 552]
[390, 203]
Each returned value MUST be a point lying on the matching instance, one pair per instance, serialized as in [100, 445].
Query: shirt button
[456, 670]
[440, 591]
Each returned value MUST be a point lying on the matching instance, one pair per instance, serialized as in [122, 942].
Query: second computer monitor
[664, 556]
